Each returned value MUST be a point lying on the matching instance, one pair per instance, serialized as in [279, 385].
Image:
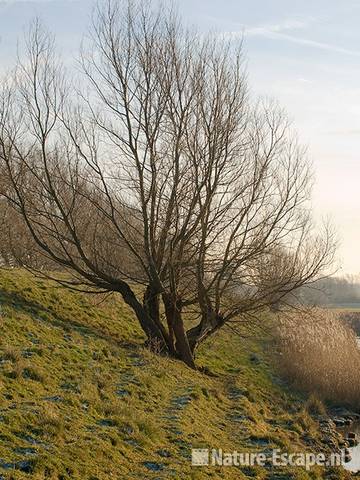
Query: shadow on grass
[21, 304]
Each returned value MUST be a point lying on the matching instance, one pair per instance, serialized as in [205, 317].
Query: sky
[305, 54]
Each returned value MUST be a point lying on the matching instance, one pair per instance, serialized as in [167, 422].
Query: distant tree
[160, 172]
[332, 291]
[17, 246]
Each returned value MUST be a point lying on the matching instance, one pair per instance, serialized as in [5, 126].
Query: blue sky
[306, 54]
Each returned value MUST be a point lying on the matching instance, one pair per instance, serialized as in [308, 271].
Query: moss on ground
[82, 399]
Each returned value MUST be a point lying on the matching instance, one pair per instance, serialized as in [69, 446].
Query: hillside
[82, 399]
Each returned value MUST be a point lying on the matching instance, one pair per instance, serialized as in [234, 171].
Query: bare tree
[162, 174]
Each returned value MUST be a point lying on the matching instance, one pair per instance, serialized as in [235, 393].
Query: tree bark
[173, 314]
[149, 326]
[152, 308]
[203, 330]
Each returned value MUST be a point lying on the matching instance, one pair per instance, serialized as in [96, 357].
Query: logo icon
[200, 457]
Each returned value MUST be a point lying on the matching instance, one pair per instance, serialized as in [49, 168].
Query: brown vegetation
[318, 353]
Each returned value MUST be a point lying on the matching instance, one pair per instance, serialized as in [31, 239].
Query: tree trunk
[152, 308]
[173, 314]
[149, 326]
[203, 330]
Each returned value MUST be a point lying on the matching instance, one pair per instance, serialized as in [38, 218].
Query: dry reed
[318, 353]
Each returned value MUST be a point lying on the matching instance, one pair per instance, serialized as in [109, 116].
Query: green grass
[82, 399]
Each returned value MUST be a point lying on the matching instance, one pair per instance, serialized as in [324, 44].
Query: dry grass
[315, 406]
[11, 354]
[318, 353]
[50, 422]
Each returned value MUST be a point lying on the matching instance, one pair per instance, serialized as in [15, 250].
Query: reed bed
[317, 351]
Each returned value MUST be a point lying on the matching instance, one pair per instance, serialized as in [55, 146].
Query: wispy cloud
[9, 3]
[312, 43]
[280, 31]
[343, 132]
[285, 25]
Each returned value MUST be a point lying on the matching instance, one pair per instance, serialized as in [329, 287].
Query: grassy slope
[80, 397]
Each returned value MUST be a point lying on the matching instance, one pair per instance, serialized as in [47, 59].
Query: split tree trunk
[151, 328]
[173, 314]
[176, 341]
[203, 330]
[151, 303]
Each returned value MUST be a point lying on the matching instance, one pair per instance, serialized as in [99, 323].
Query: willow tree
[160, 178]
